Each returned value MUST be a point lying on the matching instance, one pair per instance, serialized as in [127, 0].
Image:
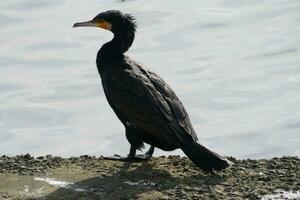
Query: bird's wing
[178, 111]
[145, 100]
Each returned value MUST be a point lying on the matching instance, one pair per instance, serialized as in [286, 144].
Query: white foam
[282, 195]
[54, 182]
[61, 184]
[141, 182]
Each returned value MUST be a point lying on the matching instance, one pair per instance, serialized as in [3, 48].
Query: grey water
[234, 64]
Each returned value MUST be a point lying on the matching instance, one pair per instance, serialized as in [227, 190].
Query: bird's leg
[132, 155]
[133, 136]
[147, 155]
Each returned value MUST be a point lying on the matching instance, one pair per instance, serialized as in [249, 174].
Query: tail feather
[204, 158]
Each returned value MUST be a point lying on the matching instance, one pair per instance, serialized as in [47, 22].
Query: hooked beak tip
[86, 24]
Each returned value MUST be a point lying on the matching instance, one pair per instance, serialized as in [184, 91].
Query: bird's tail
[204, 158]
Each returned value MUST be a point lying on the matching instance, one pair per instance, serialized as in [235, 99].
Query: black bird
[145, 104]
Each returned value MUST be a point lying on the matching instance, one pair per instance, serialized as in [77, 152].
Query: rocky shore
[172, 177]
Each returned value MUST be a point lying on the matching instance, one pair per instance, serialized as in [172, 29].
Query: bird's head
[112, 20]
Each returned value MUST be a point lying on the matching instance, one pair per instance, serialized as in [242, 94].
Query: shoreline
[172, 177]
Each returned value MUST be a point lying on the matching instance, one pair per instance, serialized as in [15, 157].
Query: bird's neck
[123, 40]
[114, 50]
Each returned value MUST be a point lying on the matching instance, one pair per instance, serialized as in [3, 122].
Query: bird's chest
[124, 84]
[113, 82]
[125, 93]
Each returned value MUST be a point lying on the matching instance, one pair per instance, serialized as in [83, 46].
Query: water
[234, 64]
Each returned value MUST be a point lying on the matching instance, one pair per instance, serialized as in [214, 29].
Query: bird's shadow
[145, 180]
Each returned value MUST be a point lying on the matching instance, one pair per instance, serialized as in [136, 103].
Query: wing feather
[144, 99]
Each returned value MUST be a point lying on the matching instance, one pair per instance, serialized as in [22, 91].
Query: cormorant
[146, 105]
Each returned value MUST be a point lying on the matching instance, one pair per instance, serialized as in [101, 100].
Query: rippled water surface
[234, 64]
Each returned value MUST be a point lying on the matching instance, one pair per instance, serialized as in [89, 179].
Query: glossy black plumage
[141, 99]
[149, 109]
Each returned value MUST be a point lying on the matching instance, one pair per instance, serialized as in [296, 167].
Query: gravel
[171, 177]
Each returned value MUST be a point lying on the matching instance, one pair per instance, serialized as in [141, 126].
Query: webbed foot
[132, 156]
